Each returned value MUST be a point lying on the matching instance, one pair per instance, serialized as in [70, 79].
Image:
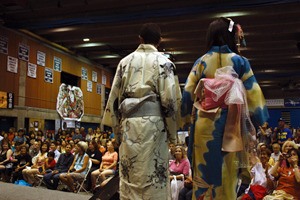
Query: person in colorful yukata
[142, 109]
[219, 96]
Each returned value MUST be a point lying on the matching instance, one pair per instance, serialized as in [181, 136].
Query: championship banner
[70, 105]
[6, 100]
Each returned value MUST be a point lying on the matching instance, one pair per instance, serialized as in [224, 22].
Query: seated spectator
[264, 134]
[21, 138]
[297, 137]
[32, 138]
[37, 167]
[187, 191]
[90, 135]
[63, 164]
[104, 139]
[108, 166]
[77, 136]
[79, 167]
[50, 162]
[62, 147]
[23, 160]
[40, 135]
[53, 148]
[5, 160]
[179, 169]
[288, 185]
[287, 145]
[63, 135]
[73, 149]
[34, 149]
[96, 158]
[171, 152]
[58, 134]
[111, 135]
[276, 154]
[11, 135]
[261, 181]
[49, 136]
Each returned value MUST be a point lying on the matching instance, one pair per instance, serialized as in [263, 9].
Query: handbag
[176, 186]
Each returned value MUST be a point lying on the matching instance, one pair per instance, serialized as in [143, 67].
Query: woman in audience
[96, 158]
[79, 167]
[108, 166]
[287, 145]
[62, 147]
[37, 167]
[90, 135]
[31, 138]
[261, 183]
[5, 160]
[288, 185]
[179, 169]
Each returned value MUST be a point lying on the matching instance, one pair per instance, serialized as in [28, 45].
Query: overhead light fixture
[183, 62]
[86, 39]
[107, 56]
[232, 14]
[63, 29]
[91, 44]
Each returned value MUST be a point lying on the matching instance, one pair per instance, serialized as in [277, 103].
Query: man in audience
[53, 148]
[34, 149]
[63, 164]
[77, 136]
[282, 133]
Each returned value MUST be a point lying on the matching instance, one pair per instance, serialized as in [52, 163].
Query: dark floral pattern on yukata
[169, 108]
[159, 176]
[168, 69]
[127, 165]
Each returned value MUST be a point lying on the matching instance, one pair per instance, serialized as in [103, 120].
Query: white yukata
[143, 110]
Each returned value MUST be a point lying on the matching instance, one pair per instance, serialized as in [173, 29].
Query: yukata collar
[220, 49]
[146, 48]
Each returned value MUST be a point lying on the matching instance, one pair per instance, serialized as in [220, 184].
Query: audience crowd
[73, 155]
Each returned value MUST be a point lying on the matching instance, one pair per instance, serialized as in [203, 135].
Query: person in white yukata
[142, 109]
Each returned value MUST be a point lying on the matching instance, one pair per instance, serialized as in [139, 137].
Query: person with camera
[288, 184]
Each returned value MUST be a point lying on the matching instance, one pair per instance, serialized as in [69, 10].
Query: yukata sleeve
[255, 98]
[111, 114]
[188, 96]
[170, 97]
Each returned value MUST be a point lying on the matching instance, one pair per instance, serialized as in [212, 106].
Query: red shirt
[287, 182]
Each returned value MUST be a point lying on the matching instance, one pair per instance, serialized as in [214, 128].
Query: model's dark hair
[219, 35]
[150, 33]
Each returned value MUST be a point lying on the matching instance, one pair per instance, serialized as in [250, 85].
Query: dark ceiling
[272, 31]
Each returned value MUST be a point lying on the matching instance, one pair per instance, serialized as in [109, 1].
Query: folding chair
[40, 178]
[79, 185]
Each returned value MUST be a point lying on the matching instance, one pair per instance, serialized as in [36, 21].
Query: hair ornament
[231, 23]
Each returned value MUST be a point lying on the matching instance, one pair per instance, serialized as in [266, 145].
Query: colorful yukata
[142, 108]
[215, 171]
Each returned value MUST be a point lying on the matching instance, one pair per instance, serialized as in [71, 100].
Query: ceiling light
[86, 39]
[91, 44]
[108, 56]
[232, 14]
[183, 62]
[63, 29]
